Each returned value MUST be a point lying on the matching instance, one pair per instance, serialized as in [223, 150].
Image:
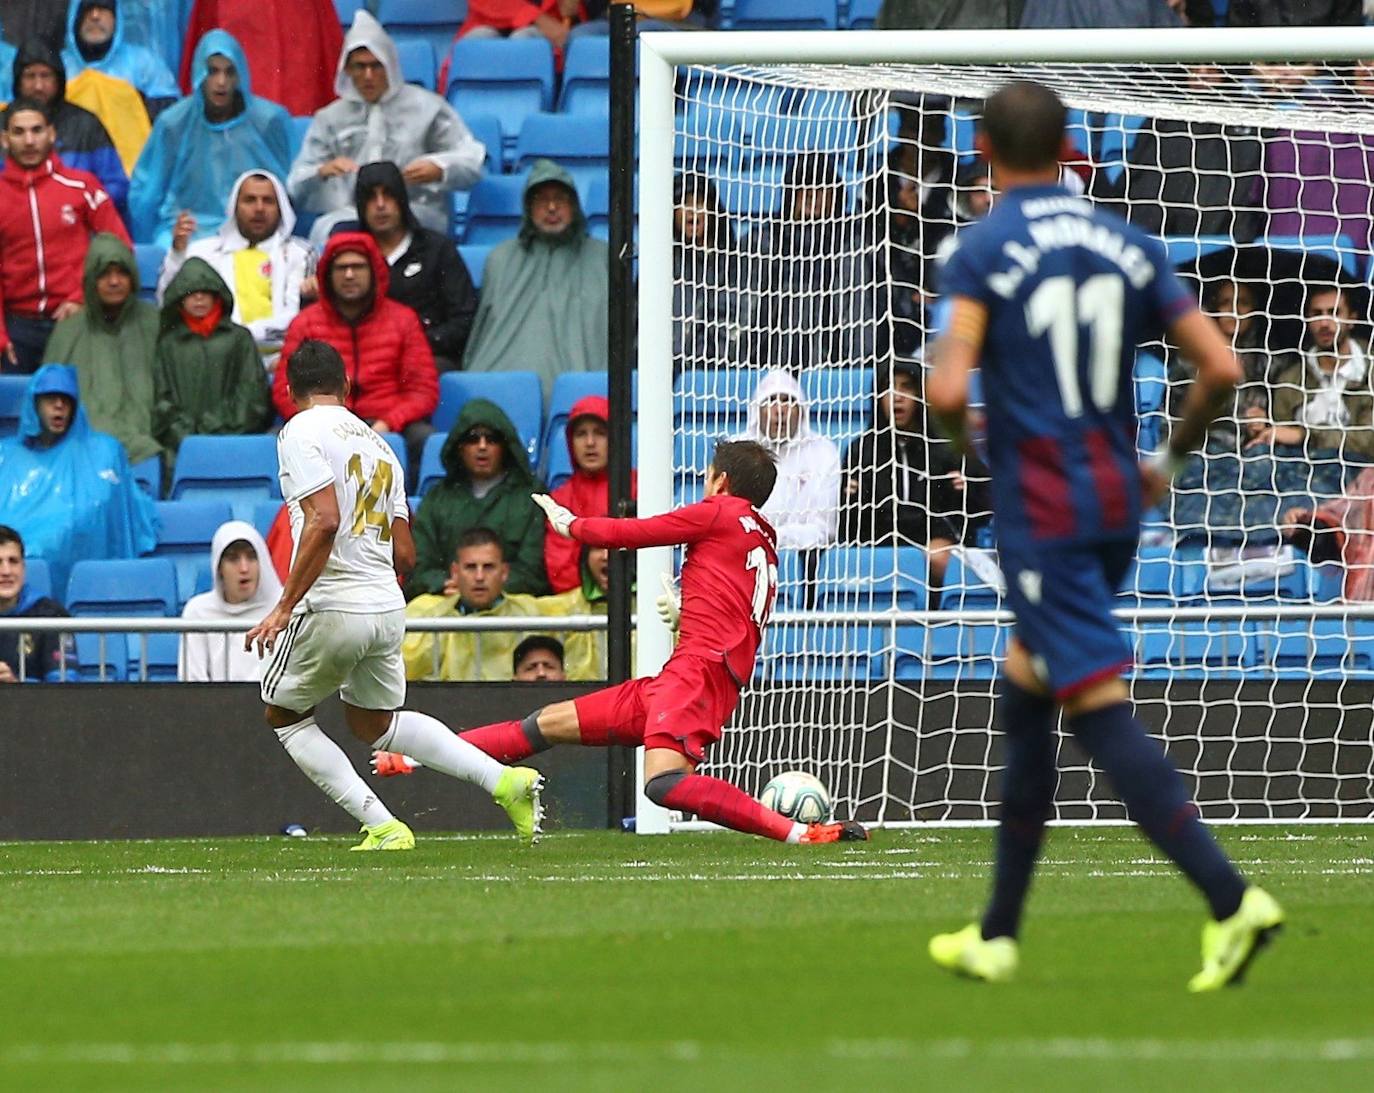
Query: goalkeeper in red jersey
[729, 581]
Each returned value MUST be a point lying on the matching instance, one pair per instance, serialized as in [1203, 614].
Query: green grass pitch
[704, 962]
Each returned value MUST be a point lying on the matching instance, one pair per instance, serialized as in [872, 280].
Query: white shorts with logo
[321, 652]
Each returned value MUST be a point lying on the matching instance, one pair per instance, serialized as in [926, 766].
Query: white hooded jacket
[291, 261]
[220, 658]
[805, 506]
[405, 124]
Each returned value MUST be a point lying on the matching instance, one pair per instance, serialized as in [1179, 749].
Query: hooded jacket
[206, 385]
[218, 658]
[543, 304]
[804, 507]
[47, 218]
[82, 140]
[74, 498]
[405, 124]
[191, 162]
[124, 59]
[113, 357]
[451, 508]
[289, 259]
[427, 275]
[586, 494]
[390, 368]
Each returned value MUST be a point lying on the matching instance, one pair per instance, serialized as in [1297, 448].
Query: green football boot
[518, 793]
[1228, 946]
[392, 835]
[966, 953]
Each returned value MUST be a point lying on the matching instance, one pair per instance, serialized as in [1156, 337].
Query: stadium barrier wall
[194, 760]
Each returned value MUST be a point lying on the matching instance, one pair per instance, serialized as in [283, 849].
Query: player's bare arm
[956, 355]
[321, 510]
[402, 547]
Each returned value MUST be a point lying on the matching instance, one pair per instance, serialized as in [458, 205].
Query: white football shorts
[320, 652]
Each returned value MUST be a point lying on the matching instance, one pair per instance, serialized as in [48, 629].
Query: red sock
[505, 741]
[722, 803]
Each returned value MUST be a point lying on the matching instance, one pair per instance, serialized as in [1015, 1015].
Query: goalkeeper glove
[670, 603]
[560, 519]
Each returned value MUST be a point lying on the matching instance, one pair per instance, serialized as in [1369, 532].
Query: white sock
[325, 763]
[798, 830]
[430, 741]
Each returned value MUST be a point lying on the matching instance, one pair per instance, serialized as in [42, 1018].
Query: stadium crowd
[193, 189]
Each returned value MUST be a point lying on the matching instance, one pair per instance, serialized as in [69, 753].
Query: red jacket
[586, 494]
[386, 355]
[47, 218]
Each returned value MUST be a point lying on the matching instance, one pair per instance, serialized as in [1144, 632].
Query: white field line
[526, 1053]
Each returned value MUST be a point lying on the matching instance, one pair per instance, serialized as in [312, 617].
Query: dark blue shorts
[1062, 596]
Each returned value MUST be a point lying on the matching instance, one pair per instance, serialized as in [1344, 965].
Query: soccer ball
[798, 796]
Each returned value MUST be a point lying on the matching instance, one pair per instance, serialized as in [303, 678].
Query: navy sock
[1157, 799]
[1027, 723]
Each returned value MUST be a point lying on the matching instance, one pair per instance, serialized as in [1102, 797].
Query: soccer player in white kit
[341, 617]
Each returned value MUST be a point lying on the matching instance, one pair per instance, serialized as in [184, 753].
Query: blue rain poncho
[125, 59]
[75, 498]
[192, 163]
[7, 55]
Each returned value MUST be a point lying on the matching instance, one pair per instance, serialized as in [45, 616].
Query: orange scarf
[206, 326]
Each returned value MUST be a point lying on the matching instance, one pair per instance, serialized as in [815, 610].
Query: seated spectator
[95, 39]
[544, 293]
[66, 487]
[256, 255]
[707, 302]
[548, 19]
[246, 588]
[476, 585]
[653, 15]
[393, 385]
[111, 340]
[378, 116]
[26, 657]
[587, 492]
[804, 508]
[207, 376]
[427, 275]
[538, 659]
[82, 140]
[44, 234]
[120, 110]
[903, 483]
[200, 146]
[585, 650]
[487, 484]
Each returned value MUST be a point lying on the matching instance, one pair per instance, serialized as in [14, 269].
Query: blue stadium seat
[38, 577]
[496, 208]
[102, 658]
[1222, 648]
[1185, 249]
[486, 130]
[716, 400]
[161, 656]
[841, 401]
[347, 9]
[239, 469]
[784, 15]
[13, 390]
[148, 474]
[299, 127]
[264, 515]
[862, 14]
[431, 466]
[184, 536]
[417, 60]
[752, 195]
[123, 587]
[580, 145]
[810, 653]
[1340, 249]
[508, 78]
[397, 443]
[872, 578]
[519, 394]
[1304, 648]
[965, 590]
[475, 256]
[692, 453]
[434, 22]
[587, 77]
[148, 256]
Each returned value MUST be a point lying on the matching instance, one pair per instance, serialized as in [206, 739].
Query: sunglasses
[475, 436]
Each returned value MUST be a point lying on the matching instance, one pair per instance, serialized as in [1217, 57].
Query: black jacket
[42, 652]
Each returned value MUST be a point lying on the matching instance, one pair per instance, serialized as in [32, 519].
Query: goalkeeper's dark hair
[478, 537]
[316, 368]
[751, 468]
[1024, 123]
[18, 106]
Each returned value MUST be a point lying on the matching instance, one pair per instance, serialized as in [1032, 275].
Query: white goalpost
[831, 170]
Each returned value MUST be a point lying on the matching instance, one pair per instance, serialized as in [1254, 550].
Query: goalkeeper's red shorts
[682, 708]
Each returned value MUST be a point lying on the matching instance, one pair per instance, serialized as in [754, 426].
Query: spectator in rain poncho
[200, 146]
[96, 39]
[67, 488]
[246, 588]
[378, 116]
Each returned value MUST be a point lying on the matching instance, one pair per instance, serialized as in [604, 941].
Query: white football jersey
[329, 444]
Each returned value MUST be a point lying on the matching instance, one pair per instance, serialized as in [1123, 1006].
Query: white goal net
[812, 204]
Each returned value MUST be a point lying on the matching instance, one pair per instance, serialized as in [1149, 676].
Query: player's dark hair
[20, 105]
[9, 535]
[315, 368]
[751, 468]
[533, 643]
[1024, 123]
[476, 537]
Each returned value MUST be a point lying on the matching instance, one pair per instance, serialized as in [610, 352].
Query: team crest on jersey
[265, 270]
[68, 215]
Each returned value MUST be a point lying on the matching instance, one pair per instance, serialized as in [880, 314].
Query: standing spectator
[246, 588]
[82, 140]
[427, 275]
[1295, 13]
[256, 255]
[487, 483]
[707, 303]
[44, 234]
[539, 658]
[208, 377]
[111, 340]
[202, 144]
[95, 39]
[378, 116]
[66, 487]
[391, 377]
[804, 507]
[544, 293]
[26, 657]
[587, 492]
